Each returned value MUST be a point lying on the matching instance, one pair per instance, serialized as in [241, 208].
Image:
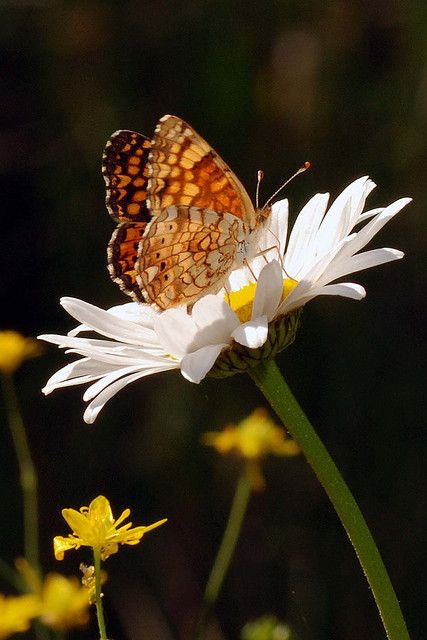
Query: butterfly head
[263, 214]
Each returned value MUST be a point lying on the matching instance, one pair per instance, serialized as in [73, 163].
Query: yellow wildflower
[95, 527]
[16, 613]
[14, 349]
[64, 602]
[253, 438]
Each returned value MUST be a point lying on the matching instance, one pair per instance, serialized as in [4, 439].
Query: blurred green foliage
[269, 85]
[267, 628]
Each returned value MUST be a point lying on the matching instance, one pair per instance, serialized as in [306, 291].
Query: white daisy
[139, 341]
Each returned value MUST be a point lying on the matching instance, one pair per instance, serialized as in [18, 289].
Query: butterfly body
[185, 220]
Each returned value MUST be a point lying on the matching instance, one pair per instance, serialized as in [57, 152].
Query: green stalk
[8, 574]
[98, 594]
[225, 551]
[268, 378]
[27, 473]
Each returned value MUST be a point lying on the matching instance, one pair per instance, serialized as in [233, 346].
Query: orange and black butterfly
[184, 219]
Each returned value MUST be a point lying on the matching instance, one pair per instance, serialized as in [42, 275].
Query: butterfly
[185, 221]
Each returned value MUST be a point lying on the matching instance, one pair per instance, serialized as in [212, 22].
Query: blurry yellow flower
[95, 527]
[253, 438]
[64, 602]
[14, 349]
[16, 613]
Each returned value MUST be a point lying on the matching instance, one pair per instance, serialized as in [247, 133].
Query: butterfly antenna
[260, 176]
[305, 167]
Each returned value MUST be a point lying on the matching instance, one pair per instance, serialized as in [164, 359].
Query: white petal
[79, 329]
[252, 334]
[121, 358]
[271, 245]
[93, 343]
[106, 323]
[108, 379]
[359, 262]
[366, 234]
[176, 331]
[344, 289]
[143, 314]
[268, 291]
[369, 214]
[215, 320]
[77, 372]
[239, 278]
[98, 403]
[314, 273]
[106, 350]
[343, 214]
[300, 247]
[276, 231]
[196, 365]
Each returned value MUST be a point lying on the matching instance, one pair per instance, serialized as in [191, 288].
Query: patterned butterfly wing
[147, 183]
[125, 171]
[185, 253]
[126, 175]
[184, 170]
[200, 213]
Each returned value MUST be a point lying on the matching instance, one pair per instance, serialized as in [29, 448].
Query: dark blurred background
[269, 85]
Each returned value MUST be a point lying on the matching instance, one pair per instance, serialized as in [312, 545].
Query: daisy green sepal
[270, 381]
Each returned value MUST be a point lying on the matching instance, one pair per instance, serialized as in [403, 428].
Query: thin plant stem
[270, 381]
[98, 595]
[41, 632]
[8, 574]
[225, 551]
[27, 473]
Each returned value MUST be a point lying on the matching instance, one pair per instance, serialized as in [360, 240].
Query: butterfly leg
[227, 293]
[246, 263]
[279, 256]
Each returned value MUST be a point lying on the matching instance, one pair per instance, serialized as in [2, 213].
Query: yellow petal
[64, 602]
[80, 525]
[100, 511]
[60, 545]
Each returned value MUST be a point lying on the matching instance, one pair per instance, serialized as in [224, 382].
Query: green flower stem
[27, 473]
[98, 595]
[225, 551]
[8, 574]
[41, 632]
[268, 378]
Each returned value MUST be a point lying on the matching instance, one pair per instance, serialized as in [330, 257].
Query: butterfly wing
[199, 208]
[122, 255]
[125, 171]
[126, 175]
[146, 180]
[185, 253]
[184, 170]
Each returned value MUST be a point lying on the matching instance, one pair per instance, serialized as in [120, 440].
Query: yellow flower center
[241, 301]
